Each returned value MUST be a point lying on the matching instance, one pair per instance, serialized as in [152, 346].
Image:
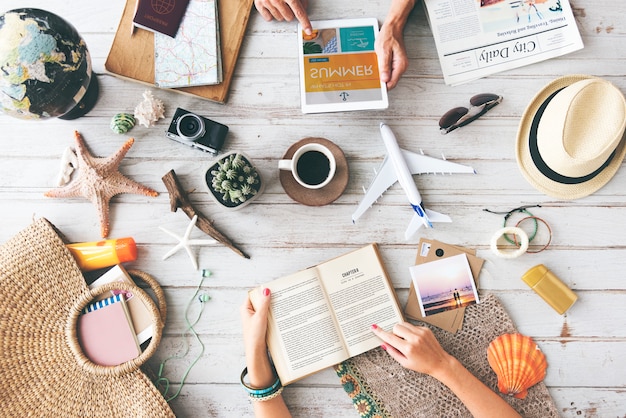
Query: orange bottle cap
[126, 249]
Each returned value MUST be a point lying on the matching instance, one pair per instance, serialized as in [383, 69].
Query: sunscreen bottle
[100, 254]
[550, 288]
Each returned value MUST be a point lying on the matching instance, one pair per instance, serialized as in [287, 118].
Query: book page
[361, 294]
[302, 335]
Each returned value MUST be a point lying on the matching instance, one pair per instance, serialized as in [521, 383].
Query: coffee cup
[312, 165]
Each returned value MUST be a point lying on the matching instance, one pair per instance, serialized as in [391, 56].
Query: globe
[46, 68]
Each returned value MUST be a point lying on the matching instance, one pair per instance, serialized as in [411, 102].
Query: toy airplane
[400, 165]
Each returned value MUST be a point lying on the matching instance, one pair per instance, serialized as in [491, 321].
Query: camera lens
[190, 126]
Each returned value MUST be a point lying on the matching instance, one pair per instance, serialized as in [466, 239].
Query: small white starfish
[187, 243]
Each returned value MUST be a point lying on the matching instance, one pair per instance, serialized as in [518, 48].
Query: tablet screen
[339, 67]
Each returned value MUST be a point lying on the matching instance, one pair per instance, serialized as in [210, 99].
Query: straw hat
[570, 141]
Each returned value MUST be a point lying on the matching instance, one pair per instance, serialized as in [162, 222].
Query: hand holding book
[254, 320]
[260, 372]
[322, 316]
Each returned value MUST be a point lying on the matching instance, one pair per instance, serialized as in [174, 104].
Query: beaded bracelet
[507, 215]
[264, 394]
[530, 215]
[266, 397]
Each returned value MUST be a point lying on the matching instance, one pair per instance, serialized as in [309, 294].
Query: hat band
[541, 164]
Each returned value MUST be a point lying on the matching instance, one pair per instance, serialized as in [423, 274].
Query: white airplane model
[400, 165]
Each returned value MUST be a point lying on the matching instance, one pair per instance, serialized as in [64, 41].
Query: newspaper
[477, 38]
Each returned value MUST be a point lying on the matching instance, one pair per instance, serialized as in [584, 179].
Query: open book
[323, 315]
[477, 38]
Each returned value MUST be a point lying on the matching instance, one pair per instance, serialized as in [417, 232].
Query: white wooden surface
[585, 348]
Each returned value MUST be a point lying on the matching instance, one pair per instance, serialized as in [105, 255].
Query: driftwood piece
[179, 199]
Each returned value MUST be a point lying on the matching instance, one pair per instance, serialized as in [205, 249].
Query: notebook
[140, 314]
[105, 332]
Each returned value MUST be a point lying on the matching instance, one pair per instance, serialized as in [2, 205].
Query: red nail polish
[266, 292]
[374, 326]
[383, 346]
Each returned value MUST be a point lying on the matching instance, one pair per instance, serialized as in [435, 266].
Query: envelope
[430, 250]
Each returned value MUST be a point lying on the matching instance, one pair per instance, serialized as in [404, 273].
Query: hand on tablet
[285, 10]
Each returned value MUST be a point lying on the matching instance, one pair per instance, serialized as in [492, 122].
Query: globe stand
[86, 103]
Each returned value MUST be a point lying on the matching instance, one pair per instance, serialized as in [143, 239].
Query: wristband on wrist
[266, 397]
[261, 394]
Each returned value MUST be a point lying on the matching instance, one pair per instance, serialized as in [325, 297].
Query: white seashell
[69, 162]
[150, 110]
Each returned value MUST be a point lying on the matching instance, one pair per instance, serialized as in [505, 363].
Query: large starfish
[98, 179]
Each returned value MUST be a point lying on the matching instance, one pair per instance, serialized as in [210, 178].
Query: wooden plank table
[585, 348]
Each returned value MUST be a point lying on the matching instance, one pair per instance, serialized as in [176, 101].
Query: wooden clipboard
[132, 55]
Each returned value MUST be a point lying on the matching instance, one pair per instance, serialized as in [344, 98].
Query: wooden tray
[132, 57]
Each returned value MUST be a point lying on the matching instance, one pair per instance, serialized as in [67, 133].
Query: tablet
[339, 67]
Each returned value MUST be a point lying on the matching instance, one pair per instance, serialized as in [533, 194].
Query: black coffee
[313, 167]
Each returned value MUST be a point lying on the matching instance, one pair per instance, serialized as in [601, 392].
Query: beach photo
[444, 284]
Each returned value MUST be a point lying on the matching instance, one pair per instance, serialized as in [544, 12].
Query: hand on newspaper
[415, 348]
[285, 10]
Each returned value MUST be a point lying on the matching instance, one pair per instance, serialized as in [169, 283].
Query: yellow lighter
[550, 288]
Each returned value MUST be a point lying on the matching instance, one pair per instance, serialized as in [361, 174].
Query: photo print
[443, 285]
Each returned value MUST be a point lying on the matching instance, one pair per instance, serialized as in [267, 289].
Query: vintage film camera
[197, 131]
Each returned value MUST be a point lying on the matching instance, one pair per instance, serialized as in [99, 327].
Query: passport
[163, 16]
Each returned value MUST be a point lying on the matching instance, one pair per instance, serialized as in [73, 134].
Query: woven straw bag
[42, 367]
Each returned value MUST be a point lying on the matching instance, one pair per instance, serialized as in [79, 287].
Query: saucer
[324, 195]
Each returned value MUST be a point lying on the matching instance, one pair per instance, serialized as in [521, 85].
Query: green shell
[122, 123]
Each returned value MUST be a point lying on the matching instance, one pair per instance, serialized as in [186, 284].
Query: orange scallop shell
[518, 363]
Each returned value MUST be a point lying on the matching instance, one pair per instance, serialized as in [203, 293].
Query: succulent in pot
[233, 181]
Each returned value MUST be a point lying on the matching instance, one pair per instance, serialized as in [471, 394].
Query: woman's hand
[285, 10]
[389, 46]
[254, 320]
[260, 371]
[392, 58]
[415, 348]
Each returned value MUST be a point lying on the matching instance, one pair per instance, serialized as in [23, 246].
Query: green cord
[507, 215]
[163, 383]
[531, 236]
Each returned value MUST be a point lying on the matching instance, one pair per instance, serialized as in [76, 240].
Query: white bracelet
[523, 242]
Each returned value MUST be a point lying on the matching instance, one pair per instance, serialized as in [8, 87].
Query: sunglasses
[461, 116]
